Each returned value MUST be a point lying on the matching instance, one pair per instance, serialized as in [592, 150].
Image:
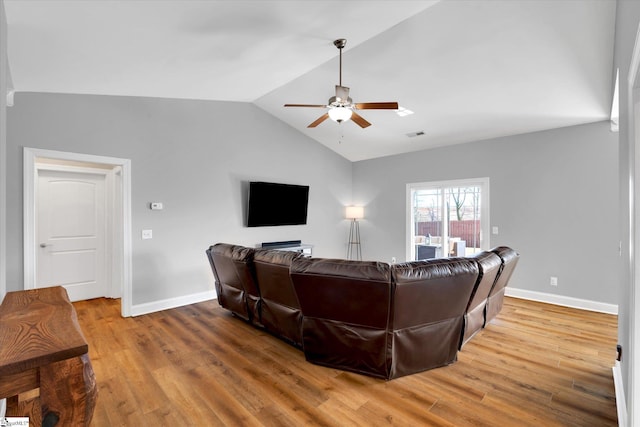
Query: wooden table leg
[68, 391]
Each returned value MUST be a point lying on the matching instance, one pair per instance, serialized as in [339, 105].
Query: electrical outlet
[393, 260]
[553, 281]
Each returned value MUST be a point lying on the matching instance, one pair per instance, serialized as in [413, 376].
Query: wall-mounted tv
[277, 204]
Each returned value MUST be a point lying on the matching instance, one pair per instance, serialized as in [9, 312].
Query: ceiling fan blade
[305, 105]
[322, 118]
[377, 106]
[359, 120]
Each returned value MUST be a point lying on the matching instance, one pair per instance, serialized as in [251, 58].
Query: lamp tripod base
[354, 250]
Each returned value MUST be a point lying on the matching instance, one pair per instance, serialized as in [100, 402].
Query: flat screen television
[277, 204]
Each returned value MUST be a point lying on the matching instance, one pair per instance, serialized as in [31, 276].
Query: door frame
[118, 192]
[484, 182]
[632, 411]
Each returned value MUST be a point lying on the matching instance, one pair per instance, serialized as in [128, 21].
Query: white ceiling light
[340, 114]
[402, 112]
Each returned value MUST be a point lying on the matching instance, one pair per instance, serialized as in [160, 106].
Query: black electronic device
[272, 204]
[283, 244]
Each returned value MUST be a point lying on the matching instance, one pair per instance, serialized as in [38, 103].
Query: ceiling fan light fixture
[341, 106]
[340, 114]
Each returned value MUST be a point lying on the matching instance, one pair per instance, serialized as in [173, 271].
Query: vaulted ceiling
[469, 70]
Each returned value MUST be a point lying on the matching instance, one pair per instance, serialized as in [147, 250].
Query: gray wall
[627, 19]
[193, 156]
[554, 197]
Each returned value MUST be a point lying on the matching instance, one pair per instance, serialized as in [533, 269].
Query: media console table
[45, 371]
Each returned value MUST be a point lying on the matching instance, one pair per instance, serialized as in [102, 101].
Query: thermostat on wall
[156, 206]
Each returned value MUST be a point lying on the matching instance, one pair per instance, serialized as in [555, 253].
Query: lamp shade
[340, 114]
[355, 212]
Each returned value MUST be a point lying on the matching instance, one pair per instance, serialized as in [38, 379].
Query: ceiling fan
[341, 107]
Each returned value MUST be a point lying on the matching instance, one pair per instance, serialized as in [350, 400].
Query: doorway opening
[78, 172]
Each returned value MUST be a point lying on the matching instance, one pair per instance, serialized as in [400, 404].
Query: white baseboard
[621, 403]
[166, 304]
[564, 301]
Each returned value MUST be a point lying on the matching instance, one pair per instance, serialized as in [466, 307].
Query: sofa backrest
[356, 292]
[489, 265]
[346, 306]
[280, 310]
[509, 260]
[441, 288]
[429, 303]
[232, 267]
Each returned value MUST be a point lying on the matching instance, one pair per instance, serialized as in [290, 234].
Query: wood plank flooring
[534, 365]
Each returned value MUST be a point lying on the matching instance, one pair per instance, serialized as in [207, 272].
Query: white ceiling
[470, 70]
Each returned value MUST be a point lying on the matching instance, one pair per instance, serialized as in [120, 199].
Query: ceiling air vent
[414, 134]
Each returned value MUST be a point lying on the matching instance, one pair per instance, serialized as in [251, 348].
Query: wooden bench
[45, 371]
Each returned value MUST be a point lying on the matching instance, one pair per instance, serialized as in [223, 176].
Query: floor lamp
[354, 213]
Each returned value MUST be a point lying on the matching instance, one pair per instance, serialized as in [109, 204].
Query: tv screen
[277, 204]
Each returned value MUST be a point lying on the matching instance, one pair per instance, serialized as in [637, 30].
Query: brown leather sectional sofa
[368, 317]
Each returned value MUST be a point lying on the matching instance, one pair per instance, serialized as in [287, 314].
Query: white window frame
[482, 182]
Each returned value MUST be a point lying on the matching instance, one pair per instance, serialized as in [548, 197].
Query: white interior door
[70, 235]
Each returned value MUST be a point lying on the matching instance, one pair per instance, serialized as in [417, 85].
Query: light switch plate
[147, 234]
[156, 206]
[494, 230]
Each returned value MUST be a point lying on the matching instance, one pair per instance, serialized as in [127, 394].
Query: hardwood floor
[534, 365]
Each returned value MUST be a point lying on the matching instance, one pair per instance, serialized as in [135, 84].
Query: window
[449, 218]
